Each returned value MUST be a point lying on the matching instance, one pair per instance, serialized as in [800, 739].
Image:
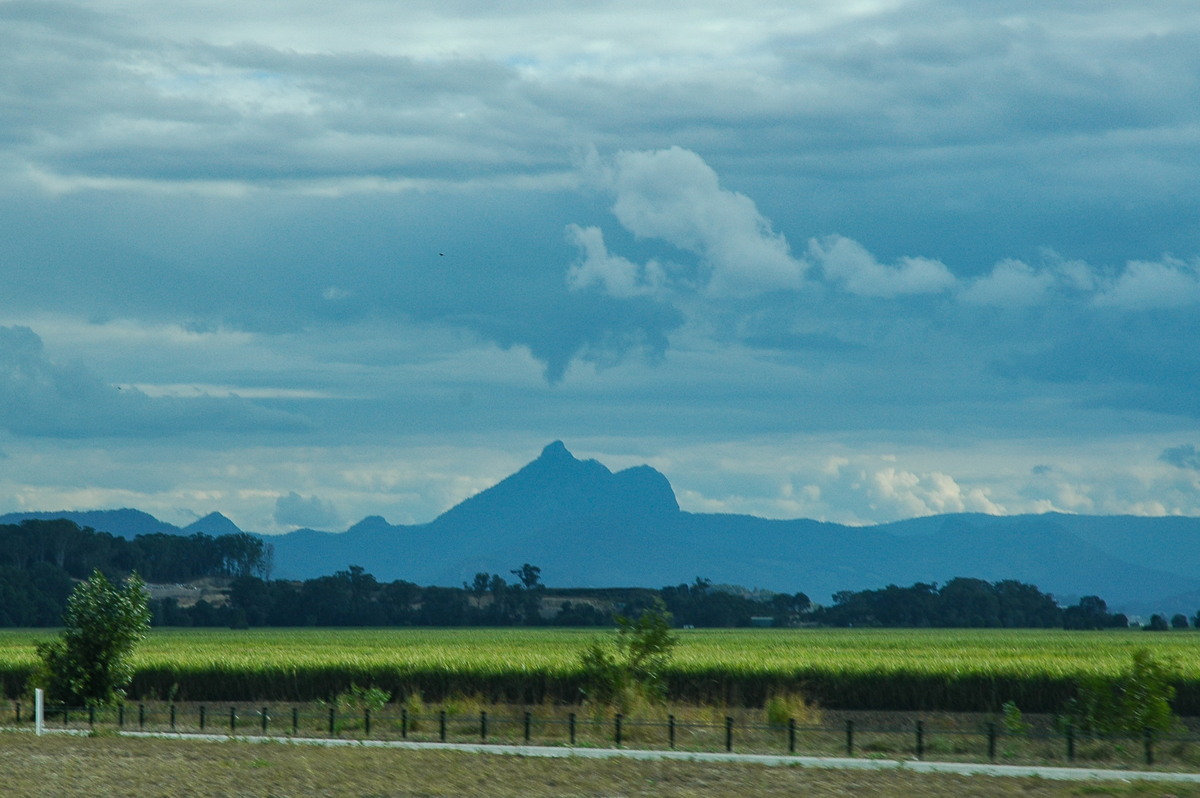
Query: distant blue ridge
[586, 526]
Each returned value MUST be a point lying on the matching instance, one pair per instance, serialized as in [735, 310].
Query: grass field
[90, 766]
[952, 670]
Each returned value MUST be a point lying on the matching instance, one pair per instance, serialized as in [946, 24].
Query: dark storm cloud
[41, 398]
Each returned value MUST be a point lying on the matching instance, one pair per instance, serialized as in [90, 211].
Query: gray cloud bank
[295, 510]
[964, 225]
[39, 397]
[1183, 456]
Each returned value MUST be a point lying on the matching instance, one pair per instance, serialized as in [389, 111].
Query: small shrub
[1011, 718]
[1128, 704]
[781, 708]
[357, 699]
[414, 705]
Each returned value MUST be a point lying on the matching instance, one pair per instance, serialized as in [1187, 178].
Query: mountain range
[586, 526]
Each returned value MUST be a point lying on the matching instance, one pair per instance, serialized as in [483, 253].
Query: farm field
[950, 670]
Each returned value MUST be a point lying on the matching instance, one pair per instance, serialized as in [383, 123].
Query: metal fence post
[992, 730]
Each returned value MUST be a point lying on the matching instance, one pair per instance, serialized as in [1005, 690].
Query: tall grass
[957, 670]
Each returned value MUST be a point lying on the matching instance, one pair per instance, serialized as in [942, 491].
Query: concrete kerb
[770, 760]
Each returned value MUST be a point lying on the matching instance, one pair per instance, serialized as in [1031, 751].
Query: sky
[302, 262]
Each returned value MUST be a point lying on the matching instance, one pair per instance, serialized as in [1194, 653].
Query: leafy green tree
[634, 667]
[89, 663]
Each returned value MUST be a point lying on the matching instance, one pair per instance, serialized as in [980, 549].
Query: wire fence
[989, 741]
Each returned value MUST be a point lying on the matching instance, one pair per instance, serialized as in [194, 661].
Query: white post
[39, 711]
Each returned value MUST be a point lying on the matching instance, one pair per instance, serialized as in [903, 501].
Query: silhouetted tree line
[39, 561]
[355, 598]
[1092, 613]
[965, 603]
[159, 557]
[701, 604]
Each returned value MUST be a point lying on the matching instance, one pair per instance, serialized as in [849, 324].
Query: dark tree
[529, 575]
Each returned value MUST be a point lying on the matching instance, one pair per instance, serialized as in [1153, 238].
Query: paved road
[842, 763]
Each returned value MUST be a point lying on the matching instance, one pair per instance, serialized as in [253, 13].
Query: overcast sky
[303, 262]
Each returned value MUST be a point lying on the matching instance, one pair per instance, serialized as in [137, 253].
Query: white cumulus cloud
[617, 276]
[1168, 283]
[673, 195]
[1011, 283]
[933, 493]
[848, 262]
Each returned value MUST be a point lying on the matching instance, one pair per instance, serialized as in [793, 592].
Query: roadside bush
[630, 670]
[356, 699]
[1128, 704]
[1013, 720]
[782, 707]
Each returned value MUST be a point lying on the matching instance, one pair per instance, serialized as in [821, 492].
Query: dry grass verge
[90, 766]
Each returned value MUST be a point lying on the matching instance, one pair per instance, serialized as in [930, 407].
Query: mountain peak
[558, 487]
[556, 452]
[212, 524]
